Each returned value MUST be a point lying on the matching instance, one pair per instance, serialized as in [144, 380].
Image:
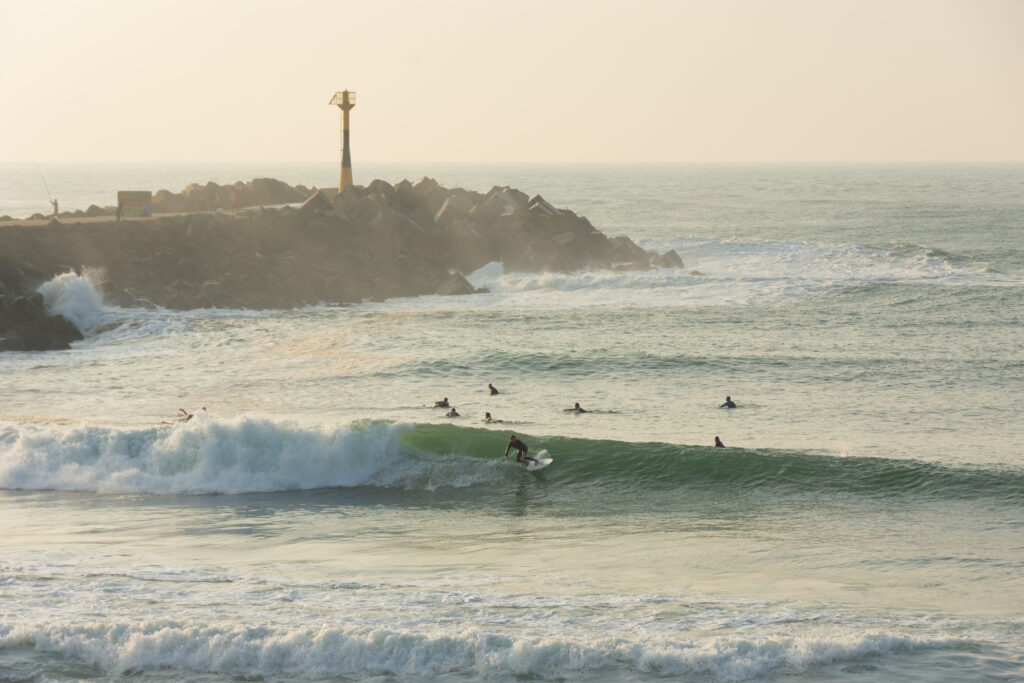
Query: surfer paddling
[182, 416]
[443, 403]
[575, 409]
[521, 449]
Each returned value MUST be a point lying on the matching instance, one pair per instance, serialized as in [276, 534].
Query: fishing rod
[48, 195]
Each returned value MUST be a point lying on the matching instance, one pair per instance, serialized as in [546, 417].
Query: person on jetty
[521, 449]
[488, 419]
[718, 443]
[452, 413]
[494, 392]
[56, 206]
[728, 403]
[575, 409]
[443, 403]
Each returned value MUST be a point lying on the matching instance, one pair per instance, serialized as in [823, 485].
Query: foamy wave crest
[331, 651]
[77, 298]
[726, 272]
[207, 456]
[816, 261]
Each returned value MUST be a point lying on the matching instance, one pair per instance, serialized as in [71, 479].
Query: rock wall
[371, 242]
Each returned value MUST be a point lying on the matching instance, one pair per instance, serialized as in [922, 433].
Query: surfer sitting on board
[718, 443]
[443, 403]
[493, 390]
[728, 403]
[452, 413]
[575, 409]
[488, 419]
[521, 449]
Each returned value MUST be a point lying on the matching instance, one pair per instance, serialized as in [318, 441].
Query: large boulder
[455, 285]
[670, 259]
[26, 325]
[272, 191]
[317, 201]
[429, 194]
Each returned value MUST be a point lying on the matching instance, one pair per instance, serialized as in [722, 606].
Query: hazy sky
[521, 80]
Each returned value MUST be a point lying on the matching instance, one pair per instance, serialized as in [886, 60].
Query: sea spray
[77, 298]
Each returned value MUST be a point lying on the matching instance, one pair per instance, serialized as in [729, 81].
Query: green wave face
[637, 467]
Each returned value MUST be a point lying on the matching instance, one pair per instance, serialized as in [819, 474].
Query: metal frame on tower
[345, 100]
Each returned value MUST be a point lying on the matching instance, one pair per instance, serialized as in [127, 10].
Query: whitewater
[317, 519]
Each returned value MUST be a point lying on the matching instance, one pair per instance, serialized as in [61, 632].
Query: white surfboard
[543, 460]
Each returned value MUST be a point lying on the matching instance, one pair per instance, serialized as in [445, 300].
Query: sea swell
[257, 454]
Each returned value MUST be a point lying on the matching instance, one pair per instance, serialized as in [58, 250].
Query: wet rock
[455, 285]
[670, 259]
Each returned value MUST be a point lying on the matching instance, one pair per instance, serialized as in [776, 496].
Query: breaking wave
[253, 454]
[77, 298]
[331, 651]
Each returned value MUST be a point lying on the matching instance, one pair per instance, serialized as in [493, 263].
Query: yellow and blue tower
[345, 100]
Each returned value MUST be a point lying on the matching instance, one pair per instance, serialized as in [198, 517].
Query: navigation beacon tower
[345, 100]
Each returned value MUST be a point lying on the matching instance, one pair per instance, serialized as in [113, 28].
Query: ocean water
[319, 521]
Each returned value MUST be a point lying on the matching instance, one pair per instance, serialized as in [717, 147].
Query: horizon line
[543, 163]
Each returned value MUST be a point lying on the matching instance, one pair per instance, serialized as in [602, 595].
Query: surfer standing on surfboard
[521, 449]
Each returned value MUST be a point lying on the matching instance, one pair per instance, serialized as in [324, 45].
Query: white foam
[208, 456]
[77, 298]
[336, 650]
[487, 275]
[718, 272]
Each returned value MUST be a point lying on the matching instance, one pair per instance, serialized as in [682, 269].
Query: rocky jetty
[372, 242]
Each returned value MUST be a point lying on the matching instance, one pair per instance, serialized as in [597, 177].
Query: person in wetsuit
[718, 443]
[452, 413]
[521, 449]
[728, 403]
[443, 403]
[575, 409]
[494, 391]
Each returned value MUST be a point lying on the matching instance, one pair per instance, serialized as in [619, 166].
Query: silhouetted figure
[718, 443]
[452, 413]
[55, 206]
[728, 403]
[575, 409]
[494, 391]
[443, 403]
